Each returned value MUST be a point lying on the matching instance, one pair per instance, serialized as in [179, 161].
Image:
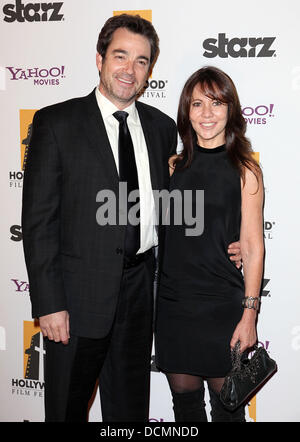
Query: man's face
[125, 68]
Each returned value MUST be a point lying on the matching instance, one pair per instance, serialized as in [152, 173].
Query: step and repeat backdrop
[48, 54]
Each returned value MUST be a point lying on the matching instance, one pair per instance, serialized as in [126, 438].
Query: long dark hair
[216, 85]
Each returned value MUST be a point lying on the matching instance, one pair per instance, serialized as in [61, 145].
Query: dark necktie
[128, 174]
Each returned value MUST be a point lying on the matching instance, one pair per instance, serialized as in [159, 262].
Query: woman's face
[208, 118]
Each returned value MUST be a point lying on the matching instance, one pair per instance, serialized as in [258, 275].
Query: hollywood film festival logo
[31, 384]
[15, 177]
[269, 227]
[155, 89]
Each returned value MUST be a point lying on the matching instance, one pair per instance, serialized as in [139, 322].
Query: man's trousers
[121, 360]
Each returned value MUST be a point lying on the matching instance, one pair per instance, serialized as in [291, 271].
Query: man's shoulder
[67, 107]
[154, 113]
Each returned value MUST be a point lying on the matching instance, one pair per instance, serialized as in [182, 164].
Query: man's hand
[234, 249]
[56, 326]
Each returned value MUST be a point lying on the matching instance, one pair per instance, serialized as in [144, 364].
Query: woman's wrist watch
[251, 302]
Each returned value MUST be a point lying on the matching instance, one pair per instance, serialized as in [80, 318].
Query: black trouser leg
[89, 359]
[71, 372]
[220, 414]
[124, 381]
[189, 406]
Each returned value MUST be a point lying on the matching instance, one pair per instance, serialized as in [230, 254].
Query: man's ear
[99, 61]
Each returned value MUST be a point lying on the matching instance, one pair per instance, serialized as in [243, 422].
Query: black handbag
[246, 376]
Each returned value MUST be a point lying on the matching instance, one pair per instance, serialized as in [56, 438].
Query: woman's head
[217, 88]
[210, 113]
[208, 117]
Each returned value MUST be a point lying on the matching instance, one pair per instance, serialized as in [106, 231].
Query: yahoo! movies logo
[40, 76]
[238, 47]
[32, 12]
[260, 114]
[20, 286]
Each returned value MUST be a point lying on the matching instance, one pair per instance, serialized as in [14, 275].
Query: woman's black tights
[188, 399]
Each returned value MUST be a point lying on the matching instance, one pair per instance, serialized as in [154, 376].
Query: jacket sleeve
[173, 148]
[41, 219]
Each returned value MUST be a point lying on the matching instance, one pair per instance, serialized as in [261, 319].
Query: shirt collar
[107, 108]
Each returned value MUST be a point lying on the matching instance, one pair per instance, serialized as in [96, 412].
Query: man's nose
[129, 67]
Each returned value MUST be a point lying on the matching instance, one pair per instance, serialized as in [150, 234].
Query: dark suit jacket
[73, 263]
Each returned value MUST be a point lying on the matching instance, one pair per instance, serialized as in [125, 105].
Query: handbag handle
[236, 356]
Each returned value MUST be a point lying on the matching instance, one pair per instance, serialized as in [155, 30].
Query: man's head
[126, 51]
[133, 23]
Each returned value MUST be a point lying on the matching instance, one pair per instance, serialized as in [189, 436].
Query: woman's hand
[172, 164]
[245, 332]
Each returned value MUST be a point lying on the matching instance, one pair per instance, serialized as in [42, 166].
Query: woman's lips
[207, 125]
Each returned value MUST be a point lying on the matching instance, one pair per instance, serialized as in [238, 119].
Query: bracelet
[251, 302]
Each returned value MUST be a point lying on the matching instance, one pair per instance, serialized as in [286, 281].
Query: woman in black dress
[200, 312]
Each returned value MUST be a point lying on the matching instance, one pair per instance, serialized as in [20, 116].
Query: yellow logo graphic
[144, 13]
[252, 409]
[33, 351]
[26, 117]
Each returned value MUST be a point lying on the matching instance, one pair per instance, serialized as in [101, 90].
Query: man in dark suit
[93, 297]
[91, 285]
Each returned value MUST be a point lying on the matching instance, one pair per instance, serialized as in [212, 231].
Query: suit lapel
[98, 139]
[99, 142]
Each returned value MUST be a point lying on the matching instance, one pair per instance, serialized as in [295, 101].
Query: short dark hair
[133, 23]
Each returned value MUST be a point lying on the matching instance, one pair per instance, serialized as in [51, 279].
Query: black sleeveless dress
[199, 299]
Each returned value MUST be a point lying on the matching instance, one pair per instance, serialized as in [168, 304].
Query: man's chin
[126, 99]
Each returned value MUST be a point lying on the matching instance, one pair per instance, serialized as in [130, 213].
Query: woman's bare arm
[252, 251]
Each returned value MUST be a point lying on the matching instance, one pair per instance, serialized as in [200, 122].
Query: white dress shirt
[147, 207]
